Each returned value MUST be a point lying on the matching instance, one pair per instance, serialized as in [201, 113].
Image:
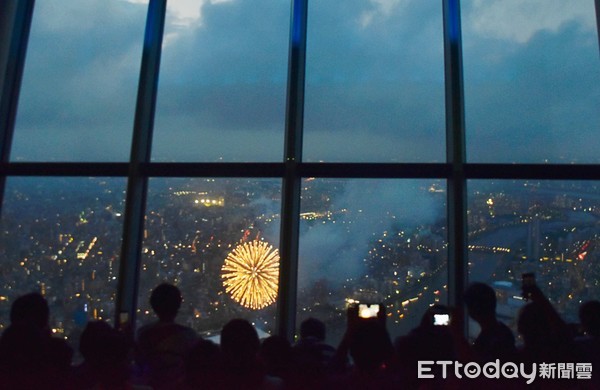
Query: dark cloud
[383, 79]
[533, 102]
[80, 81]
[375, 122]
[222, 86]
[375, 88]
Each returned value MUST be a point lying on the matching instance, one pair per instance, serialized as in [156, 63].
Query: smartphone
[441, 319]
[368, 310]
[528, 279]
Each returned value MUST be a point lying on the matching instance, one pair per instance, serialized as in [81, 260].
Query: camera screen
[368, 311]
[441, 319]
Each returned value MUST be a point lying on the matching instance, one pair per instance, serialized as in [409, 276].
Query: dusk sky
[375, 88]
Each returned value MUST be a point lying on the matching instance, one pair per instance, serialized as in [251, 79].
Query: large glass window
[373, 241]
[223, 79]
[545, 227]
[192, 227]
[532, 81]
[374, 82]
[62, 237]
[374, 93]
[80, 81]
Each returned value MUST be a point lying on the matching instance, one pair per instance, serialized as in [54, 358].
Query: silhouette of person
[275, 354]
[546, 338]
[31, 310]
[90, 343]
[29, 356]
[368, 343]
[163, 345]
[240, 345]
[311, 349]
[106, 362]
[204, 366]
[22, 350]
[426, 342]
[371, 347]
[496, 340]
[545, 334]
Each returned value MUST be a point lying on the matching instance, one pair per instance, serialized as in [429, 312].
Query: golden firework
[251, 274]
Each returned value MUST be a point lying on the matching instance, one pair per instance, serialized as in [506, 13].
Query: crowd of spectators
[166, 355]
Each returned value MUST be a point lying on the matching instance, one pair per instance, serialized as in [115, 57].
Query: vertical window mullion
[290, 202]
[137, 185]
[16, 23]
[597, 3]
[455, 153]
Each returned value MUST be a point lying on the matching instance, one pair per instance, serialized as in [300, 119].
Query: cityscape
[373, 241]
[281, 161]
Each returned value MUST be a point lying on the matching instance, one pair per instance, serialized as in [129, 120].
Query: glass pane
[547, 227]
[62, 237]
[532, 81]
[375, 82]
[223, 79]
[80, 81]
[192, 227]
[372, 241]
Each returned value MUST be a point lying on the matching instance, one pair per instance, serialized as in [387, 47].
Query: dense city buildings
[67, 246]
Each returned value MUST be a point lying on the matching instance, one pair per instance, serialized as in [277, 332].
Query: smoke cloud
[334, 248]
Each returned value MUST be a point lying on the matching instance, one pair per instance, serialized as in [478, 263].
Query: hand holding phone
[527, 284]
[368, 310]
[441, 319]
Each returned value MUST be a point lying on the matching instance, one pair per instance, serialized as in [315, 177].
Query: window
[544, 227]
[372, 241]
[342, 135]
[61, 237]
[374, 82]
[222, 85]
[191, 228]
[532, 81]
[79, 84]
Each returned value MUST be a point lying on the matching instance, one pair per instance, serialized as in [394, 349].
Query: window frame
[17, 15]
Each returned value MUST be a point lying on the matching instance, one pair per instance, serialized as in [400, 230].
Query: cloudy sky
[374, 87]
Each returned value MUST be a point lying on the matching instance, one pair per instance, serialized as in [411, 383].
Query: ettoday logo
[473, 370]
[495, 370]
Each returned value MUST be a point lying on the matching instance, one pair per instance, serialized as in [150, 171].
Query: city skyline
[375, 90]
[66, 245]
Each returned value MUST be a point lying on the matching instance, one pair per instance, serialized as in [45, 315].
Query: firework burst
[251, 274]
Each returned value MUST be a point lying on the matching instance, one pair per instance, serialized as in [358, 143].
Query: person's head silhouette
[314, 328]
[30, 309]
[166, 301]
[239, 342]
[481, 301]
[92, 340]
